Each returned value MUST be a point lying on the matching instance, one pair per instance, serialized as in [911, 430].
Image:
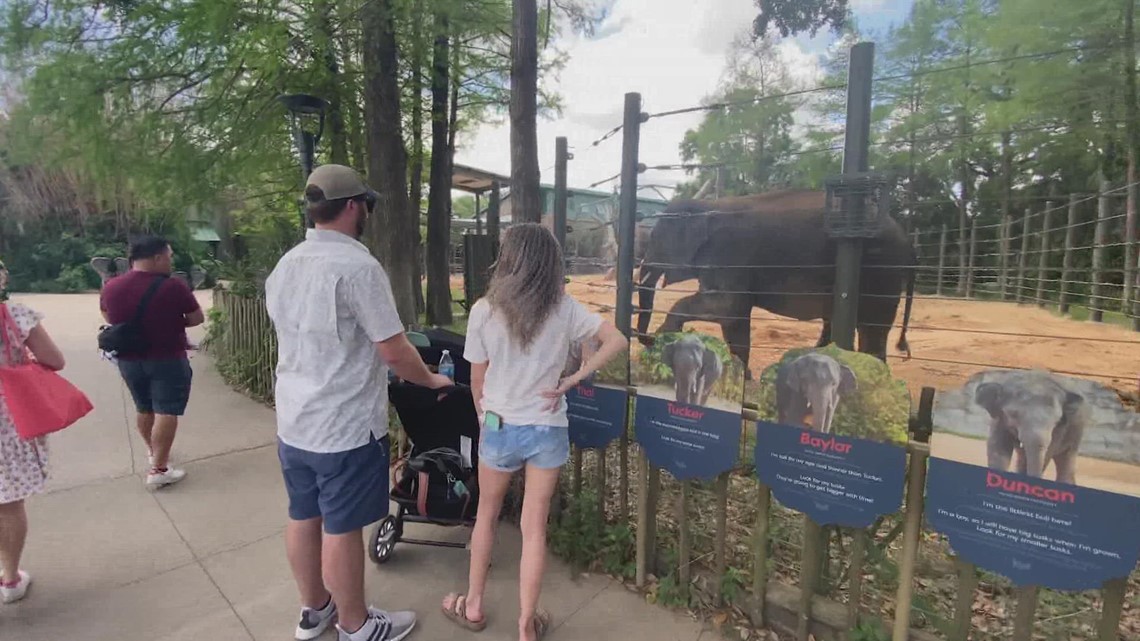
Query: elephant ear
[847, 381]
[103, 267]
[991, 396]
[710, 363]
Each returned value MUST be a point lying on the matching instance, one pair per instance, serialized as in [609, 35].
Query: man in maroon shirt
[159, 377]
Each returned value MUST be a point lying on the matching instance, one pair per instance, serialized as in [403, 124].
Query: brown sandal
[541, 624]
[458, 614]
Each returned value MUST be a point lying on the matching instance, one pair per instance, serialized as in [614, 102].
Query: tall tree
[392, 229]
[526, 200]
[792, 17]
[439, 188]
[416, 196]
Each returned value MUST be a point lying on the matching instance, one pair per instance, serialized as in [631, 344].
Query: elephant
[108, 268]
[696, 369]
[813, 380]
[770, 251]
[580, 351]
[1036, 417]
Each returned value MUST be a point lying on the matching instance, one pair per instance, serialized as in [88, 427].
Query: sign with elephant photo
[831, 437]
[690, 392]
[1036, 476]
[598, 407]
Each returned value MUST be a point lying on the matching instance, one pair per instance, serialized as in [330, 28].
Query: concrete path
[205, 561]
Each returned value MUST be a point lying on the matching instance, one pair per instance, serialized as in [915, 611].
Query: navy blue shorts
[349, 490]
[158, 387]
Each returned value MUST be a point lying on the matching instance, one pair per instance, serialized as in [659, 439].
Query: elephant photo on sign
[770, 251]
[835, 391]
[1036, 420]
[696, 369]
[1041, 425]
[812, 385]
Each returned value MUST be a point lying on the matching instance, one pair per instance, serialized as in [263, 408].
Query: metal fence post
[1100, 236]
[561, 156]
[941, 261]
[1067, 261]
[1023, 254]
[1043, 257]
[1003, 269]
[971, 275]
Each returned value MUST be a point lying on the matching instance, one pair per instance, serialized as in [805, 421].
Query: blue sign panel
[597, 415]
[836, 480]
[1033, 530]
[689, 441]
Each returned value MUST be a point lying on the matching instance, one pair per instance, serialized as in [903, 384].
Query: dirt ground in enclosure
[968, 334]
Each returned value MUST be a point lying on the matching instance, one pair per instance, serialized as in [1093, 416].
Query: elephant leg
[681, 391]
[1020, 465]
[695, 307]
[1066, 463]
[999, 448]
[738, 334]
[873, 340]
[824, 335]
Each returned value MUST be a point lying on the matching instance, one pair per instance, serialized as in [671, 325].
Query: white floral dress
[23, 464]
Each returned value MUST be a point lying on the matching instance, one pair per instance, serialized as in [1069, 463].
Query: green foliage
[879, 409]
[649, 369]
[869, 630]
[732, 585]
[585, 541]
[792, 17]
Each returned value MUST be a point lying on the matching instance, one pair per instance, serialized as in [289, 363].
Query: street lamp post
[307, 122]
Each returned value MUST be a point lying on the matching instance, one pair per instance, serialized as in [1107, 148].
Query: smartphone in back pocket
[492, 421]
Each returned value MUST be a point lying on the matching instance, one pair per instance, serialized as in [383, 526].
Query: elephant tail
[903, 345]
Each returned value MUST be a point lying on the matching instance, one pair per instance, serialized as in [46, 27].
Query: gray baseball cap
[338, 181]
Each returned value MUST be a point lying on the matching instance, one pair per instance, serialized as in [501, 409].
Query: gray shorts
[158, 387]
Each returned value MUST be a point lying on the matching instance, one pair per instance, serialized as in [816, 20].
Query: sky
[672, 52]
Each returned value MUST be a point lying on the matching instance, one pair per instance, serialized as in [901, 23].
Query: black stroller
[435, 482]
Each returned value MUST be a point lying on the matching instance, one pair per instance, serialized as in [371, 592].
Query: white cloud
[671, 51]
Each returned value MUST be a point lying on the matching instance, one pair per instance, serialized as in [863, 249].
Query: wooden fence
[727, 548]
[242, 341]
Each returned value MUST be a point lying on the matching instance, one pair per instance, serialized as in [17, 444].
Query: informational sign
[830, 442]
[598, 408]
[1036, 476]
[690, 392]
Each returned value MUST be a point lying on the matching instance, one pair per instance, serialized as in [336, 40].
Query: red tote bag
[39, 400]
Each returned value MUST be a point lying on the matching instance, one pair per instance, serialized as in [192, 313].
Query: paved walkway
[205, 560]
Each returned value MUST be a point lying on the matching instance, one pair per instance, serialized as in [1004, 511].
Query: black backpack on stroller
[437, 485]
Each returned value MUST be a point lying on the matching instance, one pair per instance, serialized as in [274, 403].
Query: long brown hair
[528, 282]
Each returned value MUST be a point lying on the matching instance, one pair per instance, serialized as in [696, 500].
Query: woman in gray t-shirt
[518, 339]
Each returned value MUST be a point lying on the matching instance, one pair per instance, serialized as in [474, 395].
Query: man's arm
[195, 318]
[405, 361]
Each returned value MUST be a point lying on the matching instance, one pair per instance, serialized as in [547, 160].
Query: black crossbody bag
[129, 339]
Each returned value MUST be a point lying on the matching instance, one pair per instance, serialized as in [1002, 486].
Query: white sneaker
[11, 594]
[381, 626]
[171, 476]
[313, 623]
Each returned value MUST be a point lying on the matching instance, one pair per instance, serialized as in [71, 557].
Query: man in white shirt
[338, 333]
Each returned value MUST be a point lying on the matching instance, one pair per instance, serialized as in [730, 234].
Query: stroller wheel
[383, 540]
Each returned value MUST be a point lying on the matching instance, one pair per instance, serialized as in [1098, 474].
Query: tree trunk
[526, 201]
[439, 189]
[390, 230]
[416, 197]
[334, 87]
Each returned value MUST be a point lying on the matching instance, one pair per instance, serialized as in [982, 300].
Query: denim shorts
[159, 386]
[349, 490]
[514, 446]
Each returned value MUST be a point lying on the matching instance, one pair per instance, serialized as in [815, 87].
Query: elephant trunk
[647, 290]
[1035, 460]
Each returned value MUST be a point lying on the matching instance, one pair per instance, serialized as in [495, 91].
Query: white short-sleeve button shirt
[331, 302]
